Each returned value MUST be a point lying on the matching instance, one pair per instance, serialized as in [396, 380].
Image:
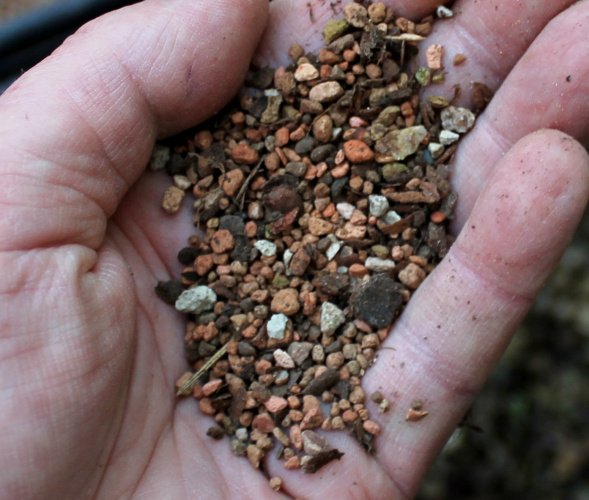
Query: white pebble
[196, 300]
[266, 247]
[447, 137]
[333, 249]
[379, 265]
[276, 326]
[435, 149]
[391, 217]
[378, 205]
[332, 317]
[346, 210]
[443, 12]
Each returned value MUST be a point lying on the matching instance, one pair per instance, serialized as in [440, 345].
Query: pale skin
[89, 355]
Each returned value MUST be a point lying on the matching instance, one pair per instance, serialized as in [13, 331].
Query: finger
[293, 21]
[86, 118]
[461, 319]
[547, 88]
[492, 36]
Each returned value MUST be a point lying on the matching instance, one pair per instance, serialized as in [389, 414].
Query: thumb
[86, 118]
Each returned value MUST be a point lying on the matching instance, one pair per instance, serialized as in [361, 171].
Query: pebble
[172, 199]
[323, 128]
[358, 151]
[233, 181]
[332, 317]
[435, 149]
[222, 241]
[283, 360]
[300, 351]
[377, 301]
[306, 72]
[272, 111]
[286, 302]
[160, 156]
[276, 326]
[320, 227]
[377, 12]
[263, 422]
[346, 210]
[378, 205]
[266, 247]
[388, 116]
[391, 217]
[333, 250]
[401, 143]
[299, 262]
[313, 442]
[412, 276]
[446, 137]
[379, 265]
[254, 455]
[433, 56]
[372, 427]
[196, 300]
[356, 15]
[326, 92]
[334, 29]
[245, 155]
[459, 120]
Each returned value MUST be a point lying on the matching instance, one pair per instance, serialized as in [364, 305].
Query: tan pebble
[299, 262]
[357, 395]
[255, 455]
[412, 276]
[335, 360]
[373, 71]
[296, 51]
[203, 139]
[351, 232]
[320, 227]
[337, 423]
[275, 404]
[358, 218]
[358, 151]
[281, 436]
[309, 403]
[323, 128]
[172, 199]
[313, 419]
[244, 154]
[356, 15]
[233, 181]
[222, 241]
[286, 302]
[377, 12]
[326, 92]
[306, 72]
[371, 427]
[182, 381]
[275, 483]
[434, 55]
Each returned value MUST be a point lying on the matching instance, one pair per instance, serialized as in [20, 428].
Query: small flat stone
[326, 92]
[391, 217]
[320, 227]
[434, 55]
[435, 149]
[276, 326]
[274, 404]
[196, 300]
[306, 72]
[299, 262]
[379, 265]
[447, 137]
[300, 351]
[346, 210]
[172, 199]
[412, 276]
[378, 205]
[266, 247]
[283, 360]
[314, 443]
[459, 120]
[401, 143]
[332, 317]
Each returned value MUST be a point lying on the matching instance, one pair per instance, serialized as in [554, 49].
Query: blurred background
[527, 436]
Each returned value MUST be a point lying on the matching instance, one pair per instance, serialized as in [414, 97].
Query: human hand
[90, 355]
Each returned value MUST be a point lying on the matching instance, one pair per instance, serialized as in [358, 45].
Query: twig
[214, 358]
[405, 37]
